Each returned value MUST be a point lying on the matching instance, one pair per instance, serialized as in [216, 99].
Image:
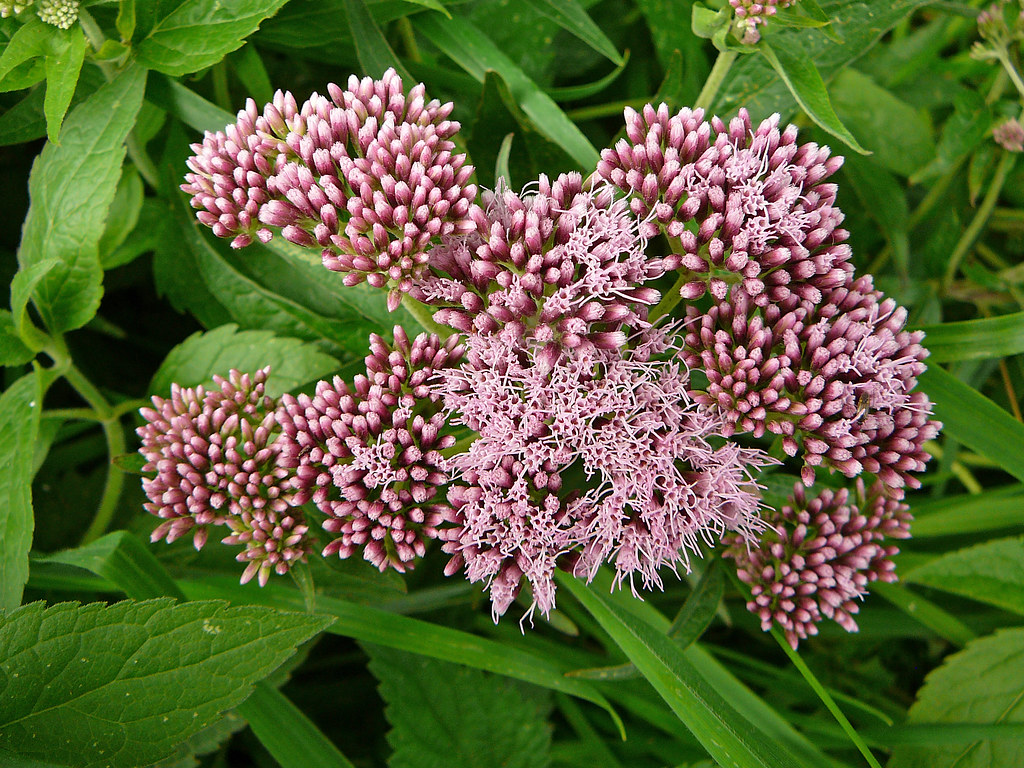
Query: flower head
[1009, 135]
[59, 13]
[368, 174]
[13, 8]
[369, 456]
[764, 216]
[750, 14]
[622, 419]
[565, 264]
[217, 462]
[818, 556]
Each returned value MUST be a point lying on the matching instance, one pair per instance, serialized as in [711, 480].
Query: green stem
[71, 414]
[671, 299]
[422, 314]
[715, 79]
[116, 446]
[1011, 70]
[977, 224]
[826, 698]
[408, 35]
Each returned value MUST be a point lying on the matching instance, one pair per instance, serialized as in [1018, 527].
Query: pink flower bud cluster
[750, 14]
[216, 459]
[1009, 135]
[565, 264]
[370, 457]
[747, 207]
[622, 419]
[818, 556]
[369, 175]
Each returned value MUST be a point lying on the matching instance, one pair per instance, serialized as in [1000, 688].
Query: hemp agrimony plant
[411, 354]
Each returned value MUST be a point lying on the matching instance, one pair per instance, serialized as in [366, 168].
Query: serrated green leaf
[71, 186]
[63, 65]
[571, 16]
[727, 736]
[199, 33]
[123, 684]
[982, 339]
[444, 714]
[372, 48]
[980, 685]
[195, 361]
[32, 40]
[992, 572]
[20, 406]
[808, 89]
[974, 420]
[474, 52]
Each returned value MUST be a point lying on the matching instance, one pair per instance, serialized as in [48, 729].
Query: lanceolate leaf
[199, 33]
[123, 684]
[990, 337]
[62, 68]
[373, 49]
[569, 15]
[969, 513]
[992, 573]
[72, 185]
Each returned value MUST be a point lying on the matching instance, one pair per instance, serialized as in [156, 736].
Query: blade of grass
[570, 16]
[975, 339]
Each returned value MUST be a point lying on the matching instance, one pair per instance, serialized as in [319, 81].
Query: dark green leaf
[443, 714]
[19, 421]
[966, 128]
[62, 68]
[253, 74]
[724, 733]
[26, 122]
[570, 16]
[72, 185]
[969, 513]
[126, 19]
[195, 361]
[199, 33]
[148, 235]
[187, 105]
[885, 200]
[805, 83]
[373, 49]
[987, 338]
[980, 685]
[975, 420]
[669, 24]
[123, 684]
[992, 572]
[124, 213]
[474, 52]
[700, 607]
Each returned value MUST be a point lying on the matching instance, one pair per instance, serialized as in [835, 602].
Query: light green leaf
[20, 406]
[474, 52]
[372, 48]
[805, 83]
[727, 736]
[974, 420]
[969, 513]
[199, 33]
[72, 185]
[123, 684]
[992, 572]
[983, 339]
[570, 16]
[32, 40]
[443, 714]
[62, 68]
[195, 361]
[124, 212]
[980, 685]
[125, 19]
[12, 349]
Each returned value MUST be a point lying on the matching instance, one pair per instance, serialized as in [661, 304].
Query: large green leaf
[372, 48]
[571, 16]
[976, 339]
[195, 361]
[199, 33]
[992, 573]
[443, 714]
[981, 685]
[470, 48]
[71, 186]
[969, 513]
[727, 736]
[19, 422]
[123, 684]
[62, 68]
[975, 420]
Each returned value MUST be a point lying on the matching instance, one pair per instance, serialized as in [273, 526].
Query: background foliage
[115, 293]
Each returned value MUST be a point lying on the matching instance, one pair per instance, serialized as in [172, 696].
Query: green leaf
[805, 83]
[148, 234]
[991, 573]
[20, 406]
[123, 560]
[885, 200]
[669, 22]
[62, 68]
[980, 685]
[443, 714]
[474, 52]
[288, 735]
[570, 16]
[71, 186]
[969, 513]
[195, 361]
[199, 33]
[12, 349]
[25, 121]
[253, 74]
[700, 607]
[983, 339]
[727, 736]
[974, 420]
[501, 170]
[187, 105]
[124, 212]
[123, 684]
[32, 40]
[372, 48]
[965, 129]
[870, 112]
[125, 19]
